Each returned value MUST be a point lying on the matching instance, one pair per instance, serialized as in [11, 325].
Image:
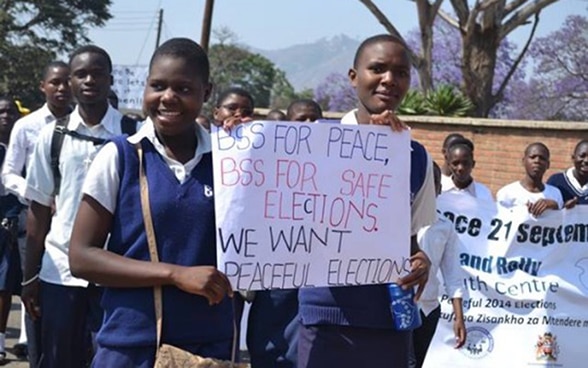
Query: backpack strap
[56, 144]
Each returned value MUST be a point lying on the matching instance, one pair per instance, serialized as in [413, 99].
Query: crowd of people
[81, 260]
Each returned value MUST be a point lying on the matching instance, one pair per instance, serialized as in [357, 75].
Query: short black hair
[11, 101]
[54, 64]
[450, 138]
[463, 142]
[92, 49]
[276, 114]
[190, 51]
[583, 141]
[537, 144]
[234, 91]
[377, 39]
[462, 145]
[304, 102]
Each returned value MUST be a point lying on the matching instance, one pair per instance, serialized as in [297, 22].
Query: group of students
[80, 177]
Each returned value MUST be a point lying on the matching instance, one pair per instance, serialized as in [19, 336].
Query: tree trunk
[478, 63]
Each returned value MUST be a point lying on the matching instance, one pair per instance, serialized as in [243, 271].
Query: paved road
[12, 334]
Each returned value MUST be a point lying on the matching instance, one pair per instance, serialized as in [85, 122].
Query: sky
[130, 36]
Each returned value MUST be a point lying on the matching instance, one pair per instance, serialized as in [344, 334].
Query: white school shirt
[423, 211]
[582, 190]
[475, 189]
[75, 159]
[20, 149]
[440, 242]
[103, 180]
[514, 194]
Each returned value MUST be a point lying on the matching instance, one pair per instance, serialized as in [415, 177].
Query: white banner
[302, 205]
[129, 84]
[528, 284]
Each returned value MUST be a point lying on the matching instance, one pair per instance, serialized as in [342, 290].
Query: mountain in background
[307, 65]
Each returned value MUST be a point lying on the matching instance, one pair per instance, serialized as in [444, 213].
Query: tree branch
[522, 15]
[512, 6]
[373, 8]
[448, 19]
[517, 61]
[461, 10]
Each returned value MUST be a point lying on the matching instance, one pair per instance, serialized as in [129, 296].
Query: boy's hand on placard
[542, 205]
[388, 117]
[206, 281]
[419, 274]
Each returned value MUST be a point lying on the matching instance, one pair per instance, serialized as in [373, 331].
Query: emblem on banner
[582, 264]
[547, 348]
[479, 343]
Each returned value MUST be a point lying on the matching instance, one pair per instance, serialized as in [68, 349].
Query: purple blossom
[335, 93]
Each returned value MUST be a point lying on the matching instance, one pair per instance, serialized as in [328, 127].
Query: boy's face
[233, 105]
[90, 78]
[580, 159]
[381, 77]
[8, 116]
[536, 162]
[461, 163]
[304, 113]
[56, 88]
[174, 95]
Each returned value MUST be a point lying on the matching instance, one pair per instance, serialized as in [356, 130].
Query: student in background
[55, 86]
[460, 157]
[305, 110]
[69, 305]
[235, 104]
[573, 183]
[275, 115]
[10, 208]
[197, 313]
[448, 141]
[441, 244]
[352, 326]
[530, 191]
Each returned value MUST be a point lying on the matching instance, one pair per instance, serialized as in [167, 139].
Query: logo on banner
[479, 343]
[547, 348]
[582, 264]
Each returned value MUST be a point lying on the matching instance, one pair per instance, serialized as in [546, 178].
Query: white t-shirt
[475, 189]
[442, 245]
[514, 194]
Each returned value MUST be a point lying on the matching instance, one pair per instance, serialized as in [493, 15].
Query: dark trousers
[70, 316]
[144, 357]
[323, 346]
[33, 328]
[422, 336]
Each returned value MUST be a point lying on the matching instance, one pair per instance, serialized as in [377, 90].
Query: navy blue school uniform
[183, 213]
[568, 190]
[353, 326]
[10, 208]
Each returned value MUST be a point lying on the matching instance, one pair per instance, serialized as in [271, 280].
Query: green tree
[233, 65]
[33, 32]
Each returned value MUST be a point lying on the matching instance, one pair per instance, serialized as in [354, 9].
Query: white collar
[574, 182]
[110, 121]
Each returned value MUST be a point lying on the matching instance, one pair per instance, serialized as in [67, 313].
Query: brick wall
[499, 144]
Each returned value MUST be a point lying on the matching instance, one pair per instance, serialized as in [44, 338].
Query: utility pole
[206, 25]
[159, 23]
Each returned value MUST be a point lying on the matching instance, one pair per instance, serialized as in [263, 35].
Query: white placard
[129, 84]
[302, 205]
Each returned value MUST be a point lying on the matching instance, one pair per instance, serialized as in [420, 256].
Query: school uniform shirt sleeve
[483, 192]
[423, 209]
[450, 268]
[103, 180]
[552, 192]
[39, 181]
[14, 163]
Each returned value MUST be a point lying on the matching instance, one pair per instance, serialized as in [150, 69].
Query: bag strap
[151, 241]
[55, 152]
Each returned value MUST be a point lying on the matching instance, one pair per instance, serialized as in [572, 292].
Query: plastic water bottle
[405, 312]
